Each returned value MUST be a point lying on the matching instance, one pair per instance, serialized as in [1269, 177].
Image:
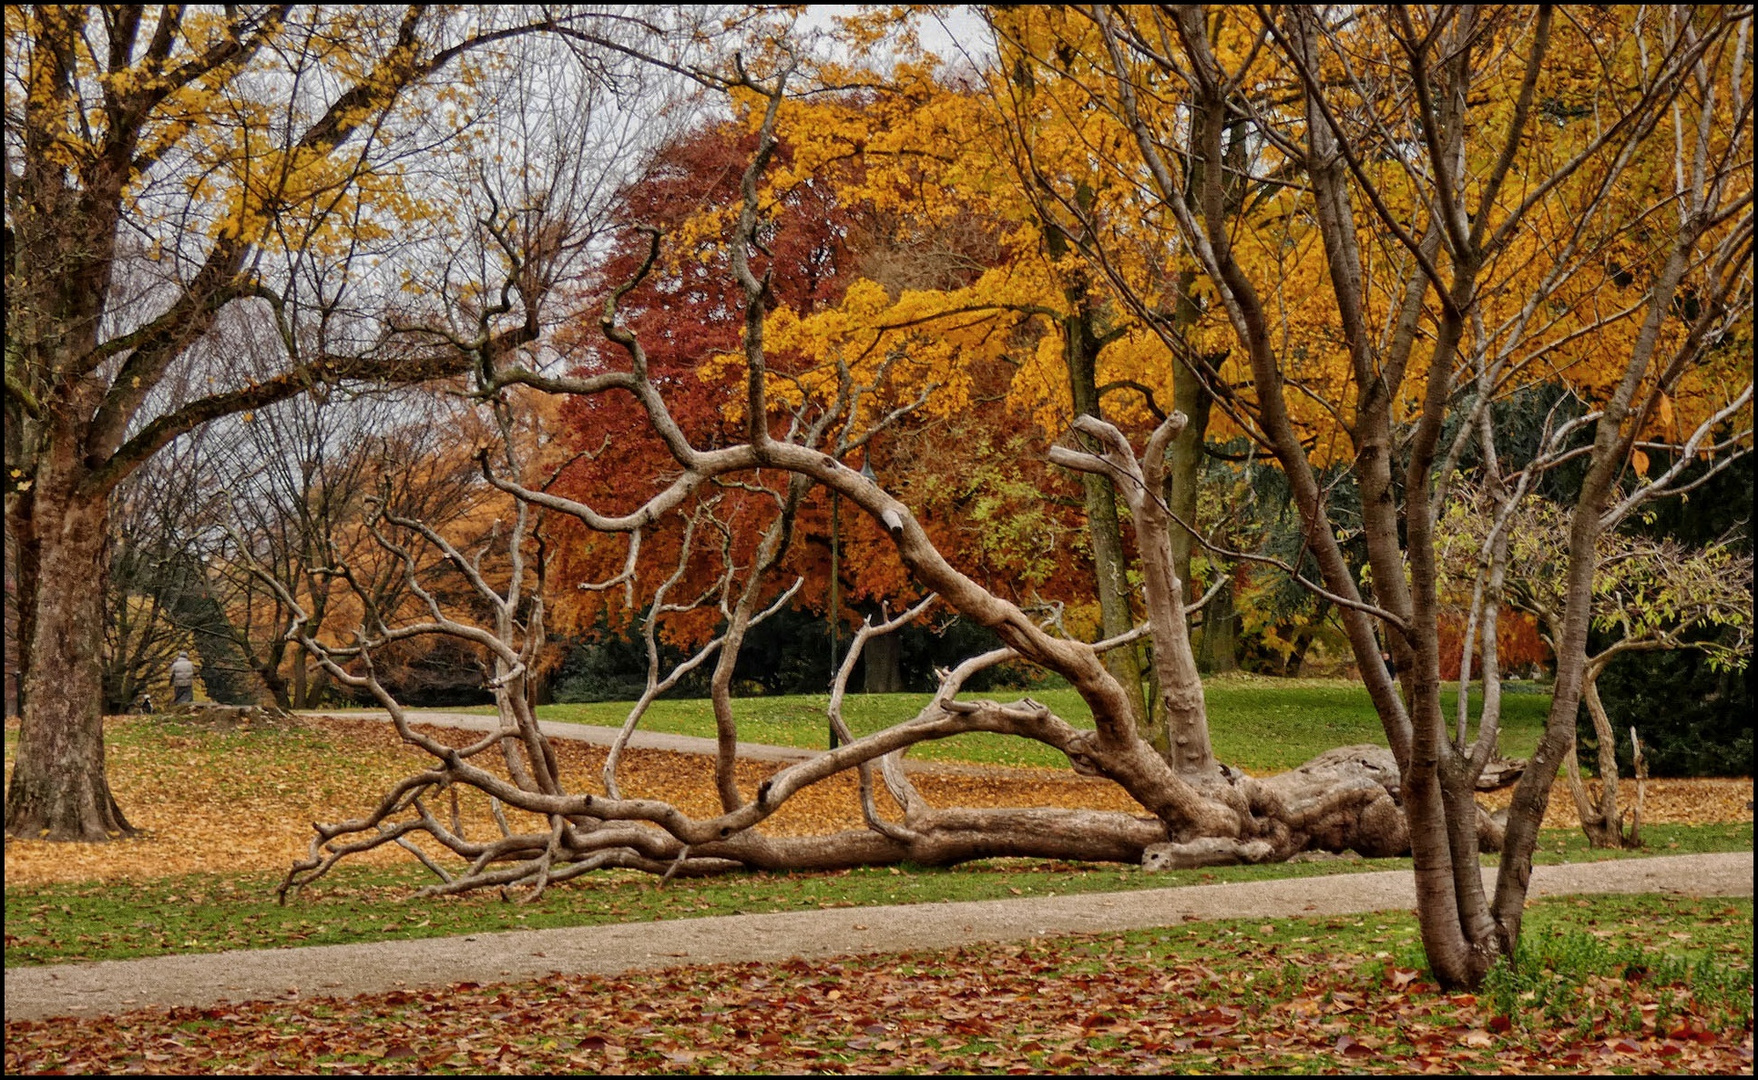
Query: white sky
[956, 33]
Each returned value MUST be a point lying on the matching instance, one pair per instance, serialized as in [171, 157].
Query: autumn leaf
[1143, 1003]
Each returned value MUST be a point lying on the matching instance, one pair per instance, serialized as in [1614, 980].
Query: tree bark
[1105, 530]
[1220, 630]
[884, 672]
[1602, 821]
[59, 790]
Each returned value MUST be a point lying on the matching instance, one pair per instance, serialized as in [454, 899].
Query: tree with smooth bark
[1459, 203]
[1196, 811]
[1471, 179]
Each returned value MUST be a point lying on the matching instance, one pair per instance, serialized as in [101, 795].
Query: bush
[789, 653]
[1692, 719]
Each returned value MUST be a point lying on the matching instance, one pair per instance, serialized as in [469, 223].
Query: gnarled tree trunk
[1194, 806]
[1602, 820]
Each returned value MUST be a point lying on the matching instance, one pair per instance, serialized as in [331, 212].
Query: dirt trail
[112, 986]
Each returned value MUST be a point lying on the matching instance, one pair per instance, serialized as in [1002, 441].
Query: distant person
[182, 680]
[1391, 665]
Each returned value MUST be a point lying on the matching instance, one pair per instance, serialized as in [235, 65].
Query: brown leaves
[1077, 1004]
[244, 800]
[1666, 802]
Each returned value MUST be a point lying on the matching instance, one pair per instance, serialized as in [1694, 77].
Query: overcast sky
[958, 32]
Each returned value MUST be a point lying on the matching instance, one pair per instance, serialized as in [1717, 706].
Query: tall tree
[1200, 811]
[169, 170]
[1461, 223]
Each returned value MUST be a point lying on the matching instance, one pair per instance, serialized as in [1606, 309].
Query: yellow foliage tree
[1451, 204]
[173, 172]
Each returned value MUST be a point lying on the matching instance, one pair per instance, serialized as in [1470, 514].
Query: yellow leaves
[1639, 461]
[212, 142]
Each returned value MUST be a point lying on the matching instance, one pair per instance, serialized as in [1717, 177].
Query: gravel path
[110, 986]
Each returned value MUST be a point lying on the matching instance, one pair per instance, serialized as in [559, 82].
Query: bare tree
[168, 171]
[296, 480]
[1414, 394]
[156, 575]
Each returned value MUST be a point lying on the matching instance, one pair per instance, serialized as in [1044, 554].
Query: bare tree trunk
[1191, 397]
[300, 695]
[1608, 755]
[1105, 531]
[276, 684]
[1640, 764]
[1220, 630]
[884, 672]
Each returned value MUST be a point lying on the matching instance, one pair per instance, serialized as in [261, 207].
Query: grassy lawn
[196, 913]
[1607, 983]
[1260, 725]
[1644, 983]
[246, 792]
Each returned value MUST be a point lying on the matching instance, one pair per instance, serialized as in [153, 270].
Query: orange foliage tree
[790, 430]
[1358, 233]
[827, 235]
[1497, 197]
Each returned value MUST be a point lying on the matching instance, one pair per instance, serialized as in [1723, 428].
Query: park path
[599, 735]
[595, 734]
[300, 974]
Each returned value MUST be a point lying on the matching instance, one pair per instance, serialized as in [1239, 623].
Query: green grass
[1259, 725]
[1629, 938]
[1563, 939]
[200, 913]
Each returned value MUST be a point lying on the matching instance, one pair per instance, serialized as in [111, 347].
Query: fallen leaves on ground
[235, 801]
[240, 800]
[1149, 1001]
[1665, 802]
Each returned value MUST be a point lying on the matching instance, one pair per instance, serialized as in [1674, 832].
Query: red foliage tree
[686, 309]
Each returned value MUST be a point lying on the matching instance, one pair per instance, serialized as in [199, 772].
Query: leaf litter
[240, 802]
[1216, 998]
[230, 802]
[243, 800]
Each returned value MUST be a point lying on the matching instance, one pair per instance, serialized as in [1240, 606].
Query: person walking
[182, 680]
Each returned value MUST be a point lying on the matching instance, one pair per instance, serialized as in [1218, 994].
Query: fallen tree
[1195, 810]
